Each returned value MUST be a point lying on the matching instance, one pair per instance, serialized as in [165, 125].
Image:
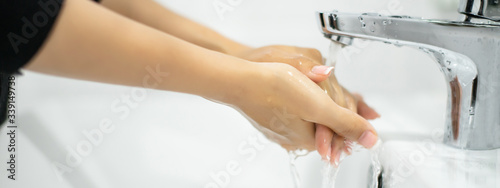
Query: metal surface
[467, 53]
[487, 9]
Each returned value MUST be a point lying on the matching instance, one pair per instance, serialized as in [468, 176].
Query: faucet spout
[468, 54]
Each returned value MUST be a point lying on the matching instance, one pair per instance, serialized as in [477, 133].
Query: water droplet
[360, 18]
[384, 22]
[363, 25]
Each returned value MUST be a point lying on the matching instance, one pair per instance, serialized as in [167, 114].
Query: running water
[375, 167]
[333, 52]
[330, 171]
[293, 168]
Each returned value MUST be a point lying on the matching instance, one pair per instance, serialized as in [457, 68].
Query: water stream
[293, 168]
[330, 171]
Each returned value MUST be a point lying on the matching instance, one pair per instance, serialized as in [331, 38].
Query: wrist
[225, 78]
[237, 82]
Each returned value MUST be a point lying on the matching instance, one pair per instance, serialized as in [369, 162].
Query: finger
[364, 110]
[310, 52]
[350, 100]
[323, 141]
[306, 60]
[334, 91]
[321, 109]
[338, 92]
[316, 73]
[312, 69]
[306, 52]
[337, 148]
[346, 123]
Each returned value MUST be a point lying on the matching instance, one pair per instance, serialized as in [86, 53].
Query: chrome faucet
[467, 52]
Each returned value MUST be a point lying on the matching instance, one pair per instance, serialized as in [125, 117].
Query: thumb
[347, 124]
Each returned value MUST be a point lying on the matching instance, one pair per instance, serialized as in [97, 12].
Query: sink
[411, 158]
[429, 163]
[161, 144]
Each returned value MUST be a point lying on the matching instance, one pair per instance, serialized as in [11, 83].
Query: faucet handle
[486, 9]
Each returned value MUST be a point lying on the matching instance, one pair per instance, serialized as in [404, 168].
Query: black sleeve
[25, 26]
[4, 90]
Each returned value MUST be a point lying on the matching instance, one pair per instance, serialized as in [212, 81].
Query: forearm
[154, 15]
[107, 47]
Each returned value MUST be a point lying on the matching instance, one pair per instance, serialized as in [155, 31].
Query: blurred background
[166, 139]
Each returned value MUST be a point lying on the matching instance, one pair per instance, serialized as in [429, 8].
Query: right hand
[285, 105]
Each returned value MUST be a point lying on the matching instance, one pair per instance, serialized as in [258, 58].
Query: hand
[328, 143]
[309, 62]
[284, 104]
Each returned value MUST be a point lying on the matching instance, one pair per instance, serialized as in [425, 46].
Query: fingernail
[367, 139]
[322, 70]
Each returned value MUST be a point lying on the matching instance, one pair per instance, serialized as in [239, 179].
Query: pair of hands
[290, 109]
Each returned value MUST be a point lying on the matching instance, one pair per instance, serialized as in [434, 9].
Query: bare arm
[106, 47]
[154, 15]
[92, 43]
